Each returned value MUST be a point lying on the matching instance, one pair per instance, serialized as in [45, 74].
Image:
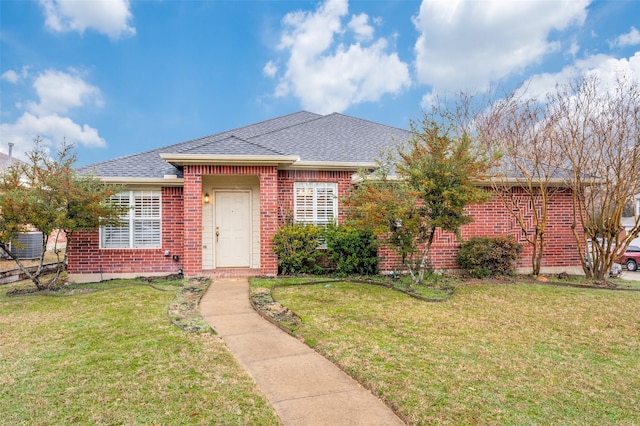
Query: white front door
[233, 228]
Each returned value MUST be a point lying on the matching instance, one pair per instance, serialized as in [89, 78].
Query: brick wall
[86, 257]
[267, 176]
[286, 179]
[493, 219]
[182, 227]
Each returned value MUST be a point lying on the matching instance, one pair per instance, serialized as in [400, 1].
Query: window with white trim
[315, 202]
[140, 226]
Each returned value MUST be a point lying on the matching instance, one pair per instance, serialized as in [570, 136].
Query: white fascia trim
[238, 160]
[356, 178]
[329, 165]
[552, 182]
[168, 180]
[507, 182]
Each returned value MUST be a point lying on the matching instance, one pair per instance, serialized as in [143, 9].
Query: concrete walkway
[302, 386]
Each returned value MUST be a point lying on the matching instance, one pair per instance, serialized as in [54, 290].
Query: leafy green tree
[47, 195]
[427, 187]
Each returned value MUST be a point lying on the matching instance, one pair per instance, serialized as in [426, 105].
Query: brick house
[211, 206]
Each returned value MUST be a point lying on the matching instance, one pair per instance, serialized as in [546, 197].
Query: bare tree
[528, 175]
[597, 131]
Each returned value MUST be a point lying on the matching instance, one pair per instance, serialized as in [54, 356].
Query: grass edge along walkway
[504, 352]
[113, 357]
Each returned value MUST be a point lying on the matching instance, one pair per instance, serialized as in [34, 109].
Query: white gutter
[507, 182]
[168, 180]
[329, 165]
[555, 182]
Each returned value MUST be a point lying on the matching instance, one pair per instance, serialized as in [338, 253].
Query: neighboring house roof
[4, 161]
[302, 139]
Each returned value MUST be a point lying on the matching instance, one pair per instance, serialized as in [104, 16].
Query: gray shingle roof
[507, 168]
[312, 137]
[4, 162]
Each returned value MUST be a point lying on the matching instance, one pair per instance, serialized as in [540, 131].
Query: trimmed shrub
[486, 257]
[351, 251]
[296, 245]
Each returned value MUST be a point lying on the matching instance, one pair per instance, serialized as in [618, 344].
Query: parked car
[631, 258]
[616, 268]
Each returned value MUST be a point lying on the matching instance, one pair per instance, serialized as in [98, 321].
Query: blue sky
[116, 77]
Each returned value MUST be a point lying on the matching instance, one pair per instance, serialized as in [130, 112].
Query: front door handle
[217, 233]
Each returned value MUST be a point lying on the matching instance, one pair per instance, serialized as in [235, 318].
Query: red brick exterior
[86, 257]
[493, 219]
[286, 179]
[193, 213]
[182, 228]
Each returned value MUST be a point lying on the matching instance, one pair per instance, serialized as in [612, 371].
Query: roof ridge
[319, 117]
[240, 139]
[368, 121]
[259, 145]
[224, 133]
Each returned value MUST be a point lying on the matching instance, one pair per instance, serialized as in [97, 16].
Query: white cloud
[606, 68]
[629, 39]
[328, 75]
[59, 91]
[270, 69]
[109, 17]
[467, 45]
[359, 24]
[51, 128]
[574, 48]
[11, 76]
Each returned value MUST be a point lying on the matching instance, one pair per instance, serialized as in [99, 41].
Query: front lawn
[494, 353]
[113, 356]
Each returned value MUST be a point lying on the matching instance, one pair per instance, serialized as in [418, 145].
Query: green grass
[436, 288]
[114, 357]
[491, 354]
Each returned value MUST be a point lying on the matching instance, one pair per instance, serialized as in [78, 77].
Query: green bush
[296, 245]
[351, 250]
[487, 257]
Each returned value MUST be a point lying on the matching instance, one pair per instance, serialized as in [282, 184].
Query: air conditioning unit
[28, 245]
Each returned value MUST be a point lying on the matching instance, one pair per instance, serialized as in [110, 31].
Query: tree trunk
[425, 256]
[538, 251]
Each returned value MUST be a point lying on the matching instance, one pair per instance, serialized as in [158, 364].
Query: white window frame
[311, 204]
[141, 224]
